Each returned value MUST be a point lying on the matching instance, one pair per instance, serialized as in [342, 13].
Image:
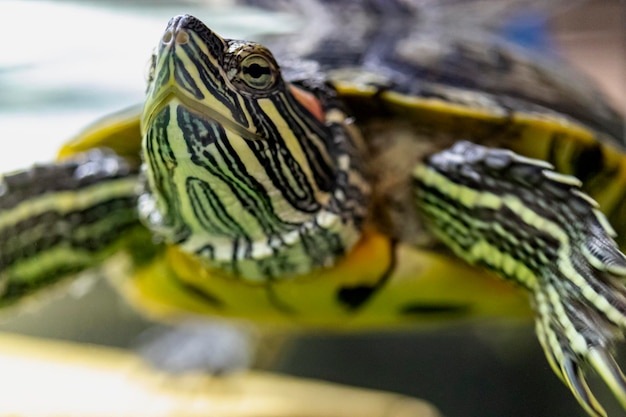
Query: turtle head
[245, 170]
[197, 72]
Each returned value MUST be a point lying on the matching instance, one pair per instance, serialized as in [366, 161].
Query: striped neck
[247, 172]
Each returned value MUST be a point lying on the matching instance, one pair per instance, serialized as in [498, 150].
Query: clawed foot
[581, 300]
[577, 328]
[518, 217]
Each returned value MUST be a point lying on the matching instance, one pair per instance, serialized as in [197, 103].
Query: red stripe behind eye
[309, 101]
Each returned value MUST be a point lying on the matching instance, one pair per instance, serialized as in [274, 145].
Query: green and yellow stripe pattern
[240, 172]
[59, 219]
[533, 226]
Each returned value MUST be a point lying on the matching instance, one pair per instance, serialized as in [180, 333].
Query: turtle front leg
[533, 226]
[61, 218]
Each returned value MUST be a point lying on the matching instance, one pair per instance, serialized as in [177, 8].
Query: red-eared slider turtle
[352, 186]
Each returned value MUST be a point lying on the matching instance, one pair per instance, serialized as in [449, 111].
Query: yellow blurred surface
[42, 379]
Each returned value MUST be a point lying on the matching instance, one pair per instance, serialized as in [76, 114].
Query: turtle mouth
[171, 93]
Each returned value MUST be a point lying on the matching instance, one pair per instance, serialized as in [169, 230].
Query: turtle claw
[605, 365]
[576, 335]
[574, 378]
[565, 366]
[536, 227]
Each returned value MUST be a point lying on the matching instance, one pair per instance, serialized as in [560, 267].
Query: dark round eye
[257, 72]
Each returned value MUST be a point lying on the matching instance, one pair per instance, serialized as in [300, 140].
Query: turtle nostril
[167, 37]
[182, 37]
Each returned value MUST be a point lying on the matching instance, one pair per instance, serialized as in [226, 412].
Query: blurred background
[64, 64]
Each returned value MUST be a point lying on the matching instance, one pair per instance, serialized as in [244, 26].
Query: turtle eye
[258, 72]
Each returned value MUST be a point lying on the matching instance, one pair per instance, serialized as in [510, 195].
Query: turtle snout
[177, 29]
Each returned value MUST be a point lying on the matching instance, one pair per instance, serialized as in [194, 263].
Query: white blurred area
[64, 64]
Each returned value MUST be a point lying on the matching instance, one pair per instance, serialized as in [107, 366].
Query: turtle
[365, 180]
